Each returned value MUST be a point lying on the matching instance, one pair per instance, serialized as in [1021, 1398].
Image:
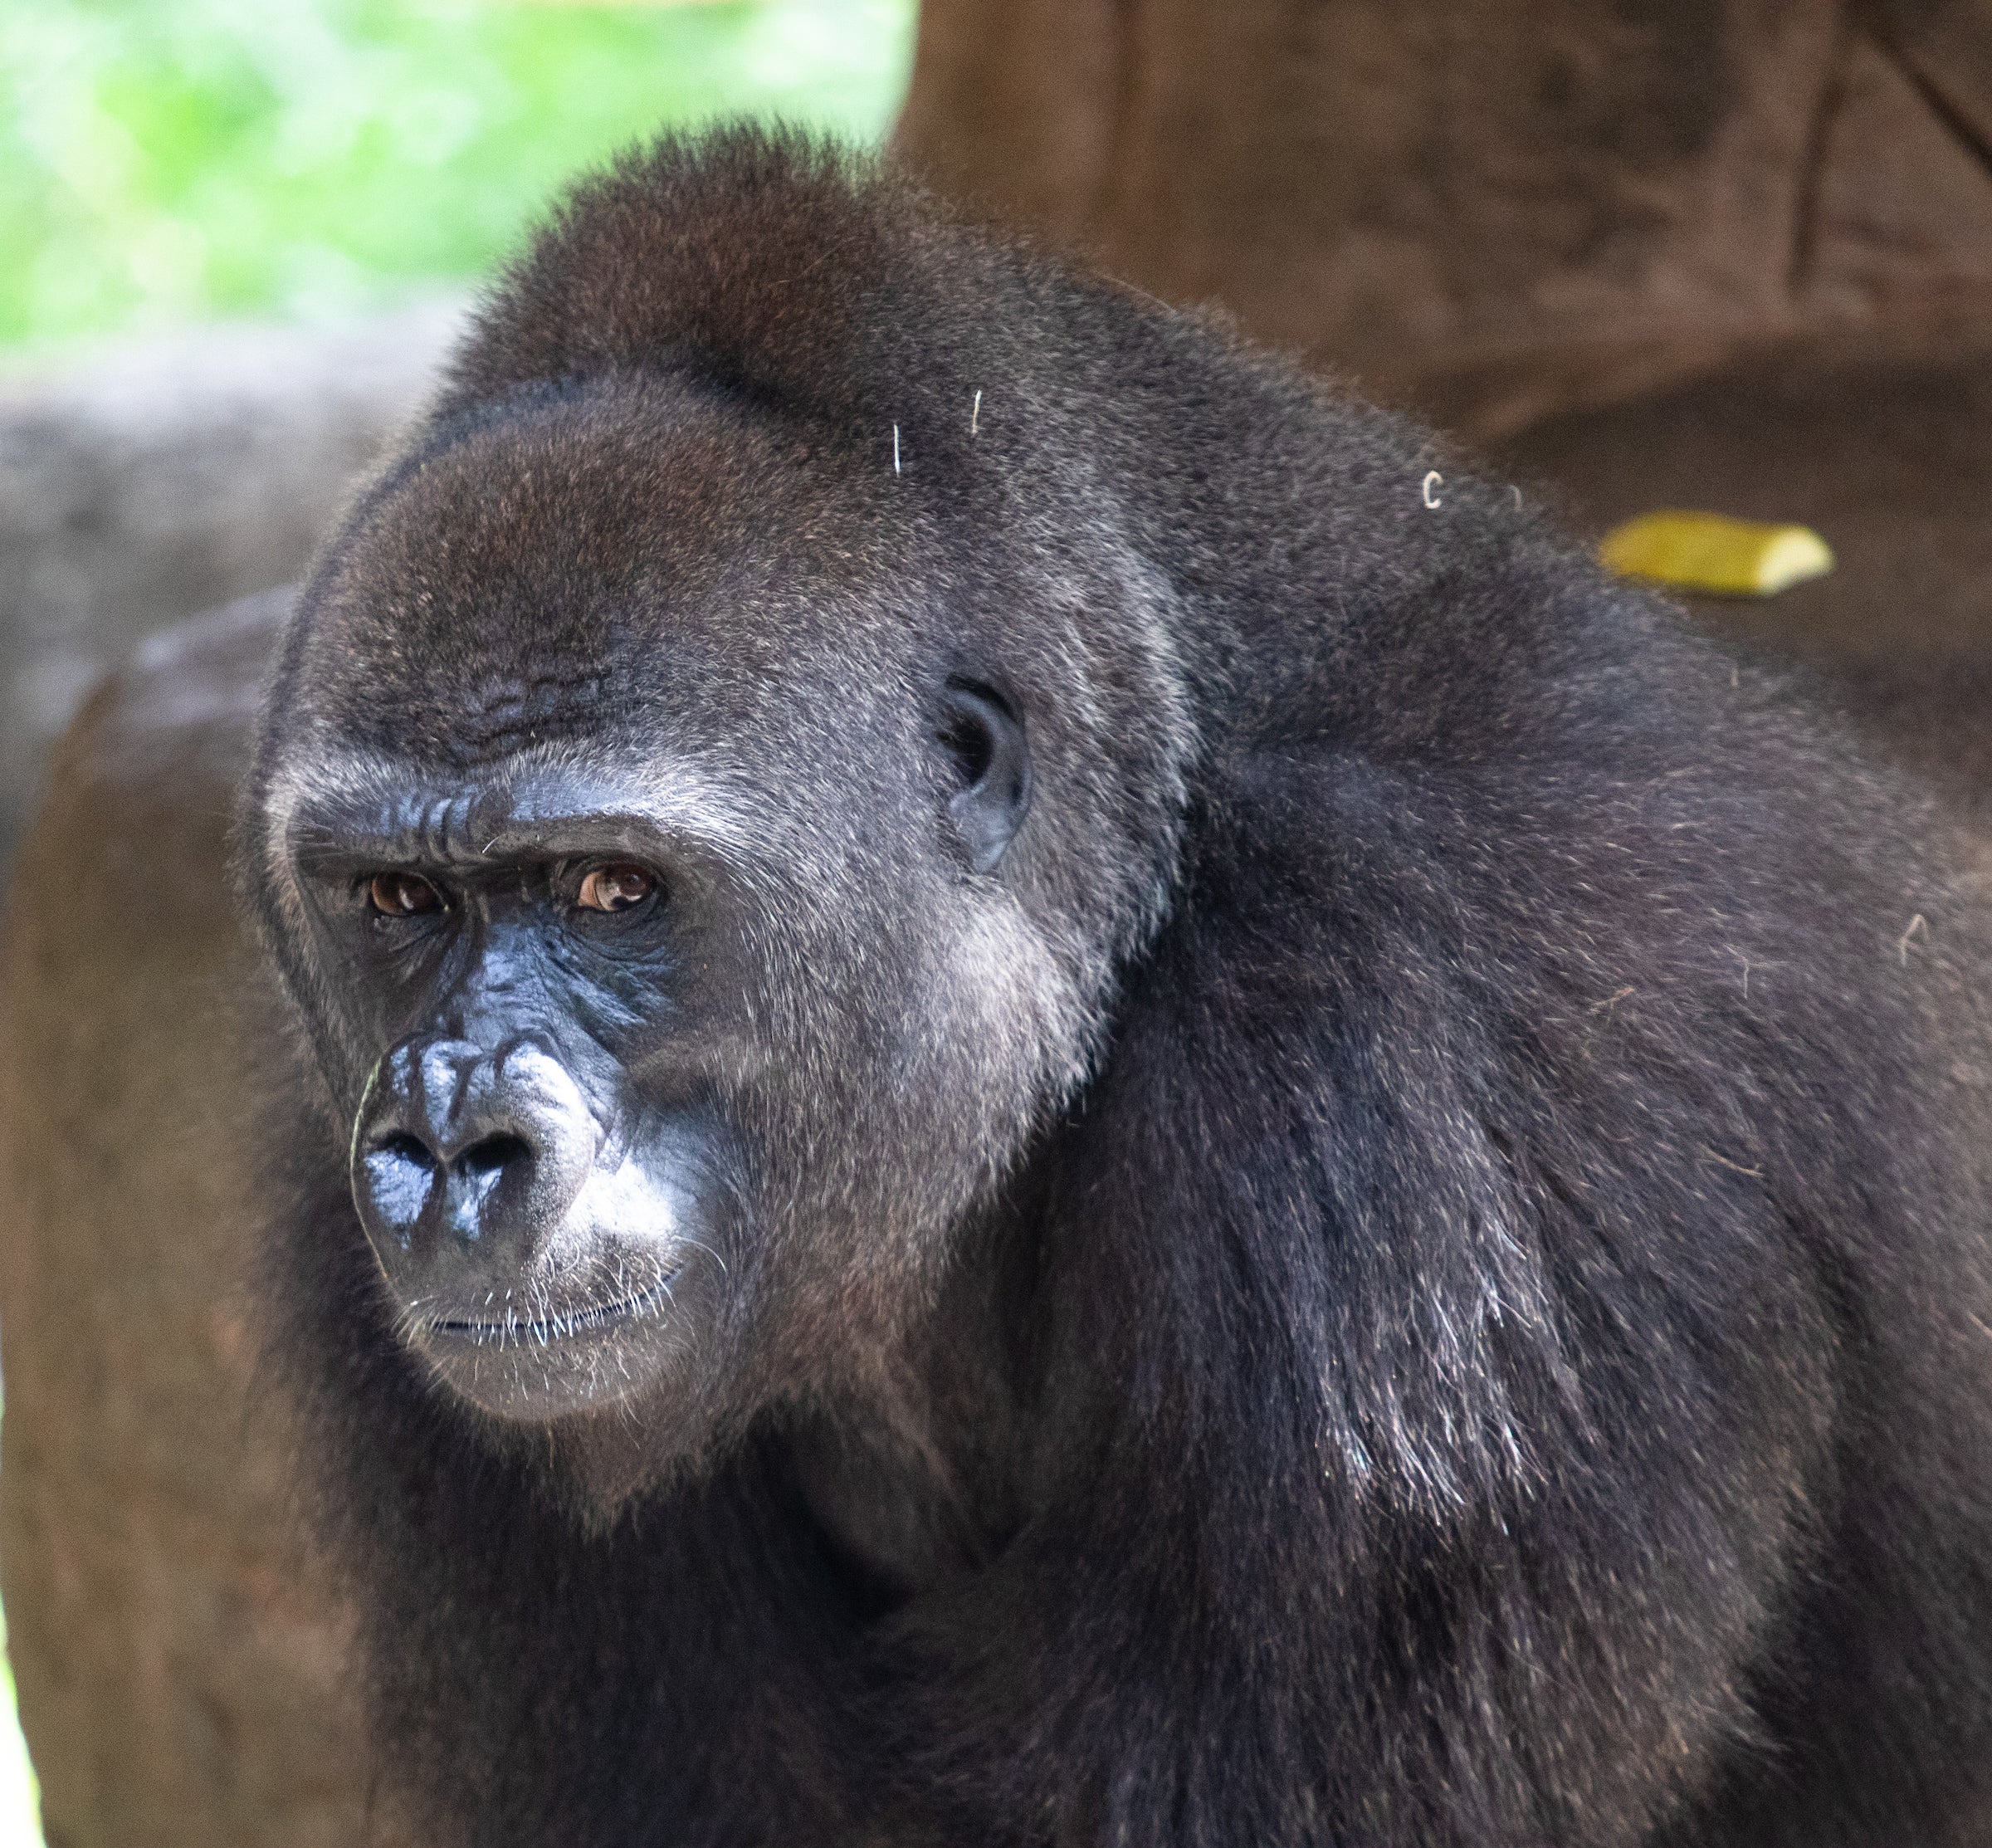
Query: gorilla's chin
[548, 1361]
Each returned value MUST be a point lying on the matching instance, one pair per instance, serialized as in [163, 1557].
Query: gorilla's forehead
[594, 563]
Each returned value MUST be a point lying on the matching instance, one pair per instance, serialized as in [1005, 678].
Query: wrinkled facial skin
[548, 1199]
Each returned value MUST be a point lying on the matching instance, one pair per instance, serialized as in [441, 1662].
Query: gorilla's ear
[984, 734]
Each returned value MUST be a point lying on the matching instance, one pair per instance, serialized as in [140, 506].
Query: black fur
[1481, 1329]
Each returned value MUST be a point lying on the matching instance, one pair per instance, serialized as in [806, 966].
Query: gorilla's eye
[402, 895]
[615, 888]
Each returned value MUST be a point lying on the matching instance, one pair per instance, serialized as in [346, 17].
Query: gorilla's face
[531, 1056]
[654, 899]
[569, 1016]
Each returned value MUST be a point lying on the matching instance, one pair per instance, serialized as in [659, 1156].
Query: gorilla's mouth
[549, 1330]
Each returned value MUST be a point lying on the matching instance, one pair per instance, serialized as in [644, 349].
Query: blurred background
[1729, 255]
[166, 162]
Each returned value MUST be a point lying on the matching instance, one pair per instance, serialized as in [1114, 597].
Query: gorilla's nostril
[401, 1174]
[474, 1206]
[485, 1160]
[406, 1148]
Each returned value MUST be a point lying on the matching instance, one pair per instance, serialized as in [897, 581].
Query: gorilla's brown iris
[615, 888]
[402, 895]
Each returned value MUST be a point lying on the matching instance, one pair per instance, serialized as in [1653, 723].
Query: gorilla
[1044, 1093]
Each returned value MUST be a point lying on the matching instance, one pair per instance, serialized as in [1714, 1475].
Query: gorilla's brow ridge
[334, 807]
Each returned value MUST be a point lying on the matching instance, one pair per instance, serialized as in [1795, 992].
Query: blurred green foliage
[165, 159]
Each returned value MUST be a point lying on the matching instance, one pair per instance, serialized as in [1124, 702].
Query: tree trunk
[1487, 212]
[182, 1673]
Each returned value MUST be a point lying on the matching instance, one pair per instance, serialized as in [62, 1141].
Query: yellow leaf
[1711, 553]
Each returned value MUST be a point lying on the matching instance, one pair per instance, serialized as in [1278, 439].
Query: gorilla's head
[699, 867]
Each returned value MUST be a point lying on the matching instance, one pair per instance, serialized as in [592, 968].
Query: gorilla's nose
[460, 1146]
[408, 1180]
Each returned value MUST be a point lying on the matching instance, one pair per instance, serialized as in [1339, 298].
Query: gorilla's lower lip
[546, 1330]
